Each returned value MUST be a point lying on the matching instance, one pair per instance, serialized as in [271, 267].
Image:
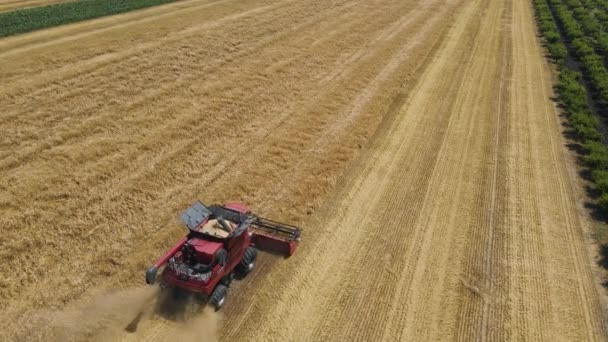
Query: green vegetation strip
[571, 90]
[31, 19]
[582, 45]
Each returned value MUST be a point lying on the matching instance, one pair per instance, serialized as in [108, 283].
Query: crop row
[583, 49]
[593, 21]
[571, 87]
[30, 19]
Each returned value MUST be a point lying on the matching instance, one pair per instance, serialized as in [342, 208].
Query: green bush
[590, 45]
[602, 203]
[600, 180]
[597, 157]
[581, 47]
[602, 17]
[558, 51]
[552, 37]
[571, 91]
[602, 42]
[568, 23]
[585, 126]
[547, 26]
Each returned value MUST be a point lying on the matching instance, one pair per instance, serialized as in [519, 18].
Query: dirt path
[424, 129]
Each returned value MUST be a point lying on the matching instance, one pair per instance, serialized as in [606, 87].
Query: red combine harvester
[221, 242]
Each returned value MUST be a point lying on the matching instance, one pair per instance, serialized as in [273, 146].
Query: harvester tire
[247, 263]
[218, 297]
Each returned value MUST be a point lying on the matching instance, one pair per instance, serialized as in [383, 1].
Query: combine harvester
[220, 244]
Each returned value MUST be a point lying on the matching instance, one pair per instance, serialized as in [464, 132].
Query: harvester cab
[221, 241]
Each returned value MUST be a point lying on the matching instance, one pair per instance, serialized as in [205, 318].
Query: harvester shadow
[132, 327]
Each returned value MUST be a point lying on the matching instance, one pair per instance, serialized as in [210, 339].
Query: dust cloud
[126, 315]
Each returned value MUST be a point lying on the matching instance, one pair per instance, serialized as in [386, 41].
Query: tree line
[569, 26]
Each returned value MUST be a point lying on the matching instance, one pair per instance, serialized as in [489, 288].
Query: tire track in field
[380, 292]
[468, 187]
[495, 314]
[483, 313]
[456, 172]
[588, 316]
[528, 230]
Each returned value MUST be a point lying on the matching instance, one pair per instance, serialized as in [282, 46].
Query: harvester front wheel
[247, 264]
[218, 297]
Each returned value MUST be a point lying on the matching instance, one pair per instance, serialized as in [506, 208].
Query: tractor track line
[442, 182]
[494, 243]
